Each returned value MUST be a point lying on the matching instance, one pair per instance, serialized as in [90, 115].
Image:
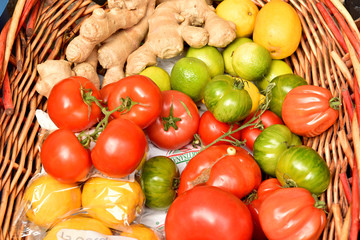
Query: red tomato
[265, 188]
[139, 97]
[309, 110]
[230, 168]
[210, 129]
[105, 92]
[207, 213]
[177, 123]
[64, 158]
[291, 214]
[66, 106]
[119, 149]
[250, 133]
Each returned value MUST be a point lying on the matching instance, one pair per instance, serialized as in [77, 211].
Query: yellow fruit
[277, 68]
[251, 61]
[159, 76]
[210, 56]
[228, 52]
[278, 29]
[190, 76]
[49, 200]
[116, 203]
[78, 223]
[256, 97]
[140, 232]
[241, 12]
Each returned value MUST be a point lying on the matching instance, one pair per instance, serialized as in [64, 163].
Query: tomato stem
[252, 122]
[170, 121]
[335, 103]
[318, 203]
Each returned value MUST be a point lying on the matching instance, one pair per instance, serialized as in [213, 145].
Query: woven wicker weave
[319, 59]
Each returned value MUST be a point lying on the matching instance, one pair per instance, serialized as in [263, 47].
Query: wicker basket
[320, 59]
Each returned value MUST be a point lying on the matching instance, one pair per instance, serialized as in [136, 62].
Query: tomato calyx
[126, 104]
[170, 121]
[318, 204]
[335, 103]
[239, 83]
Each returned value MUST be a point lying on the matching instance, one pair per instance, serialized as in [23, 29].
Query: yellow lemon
[48, 200]
[159, 76]
[256, 97]
[78, 223]
[241, 12]
[140, 232]
[278, 29]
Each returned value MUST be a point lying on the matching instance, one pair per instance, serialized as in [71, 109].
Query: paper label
[73, 234]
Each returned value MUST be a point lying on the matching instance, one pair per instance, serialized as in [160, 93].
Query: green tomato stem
[335, 103]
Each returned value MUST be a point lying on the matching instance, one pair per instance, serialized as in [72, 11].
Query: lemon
[210, 56]
[190, 76]
[140, 232]
[256, 97]
[277, 68]
[78, 223]
[241, 12]
[228, 52]
[251, 61]
[278, 29]
[116, 203]
[159, 76]
[49, 200]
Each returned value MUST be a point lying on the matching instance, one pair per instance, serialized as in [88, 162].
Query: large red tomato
[177, 123]
[64, 158]
[119, 149]
[292, 214]
[139, 97]
[230, 168]
[309, 110]
[250, 133]
[69, 108]
[210, 129]
[207, 213]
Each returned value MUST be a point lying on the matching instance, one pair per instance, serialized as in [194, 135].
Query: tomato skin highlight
[67, 108]
[291, 214]
[119, 149]
[210, 129]
[238, 173]
[186, 115]
[206, 213]
[64, 158]
[144, 95]
[307, 110]
[250, 133]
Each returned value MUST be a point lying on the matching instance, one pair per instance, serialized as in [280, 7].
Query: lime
[159, 76]
[277, 68]
[228, 52]
[190, 76]
[210, 56]
[251, 61]
[241, 12]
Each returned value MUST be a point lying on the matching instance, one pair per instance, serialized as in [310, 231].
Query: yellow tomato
[256, 97]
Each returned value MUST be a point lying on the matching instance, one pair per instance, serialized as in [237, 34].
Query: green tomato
[270, 144]
[226, 98]
[303, 166]
[283, 85]
[159, 180]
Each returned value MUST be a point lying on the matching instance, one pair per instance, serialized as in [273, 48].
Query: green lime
[251, 61]
[277, 68]
[228, 52]
[210, 56]
[159, 76]
[190, 76]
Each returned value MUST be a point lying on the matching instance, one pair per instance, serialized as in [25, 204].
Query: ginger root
[115, 50]
[52, 72]
[122, 14]
[176, 21]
